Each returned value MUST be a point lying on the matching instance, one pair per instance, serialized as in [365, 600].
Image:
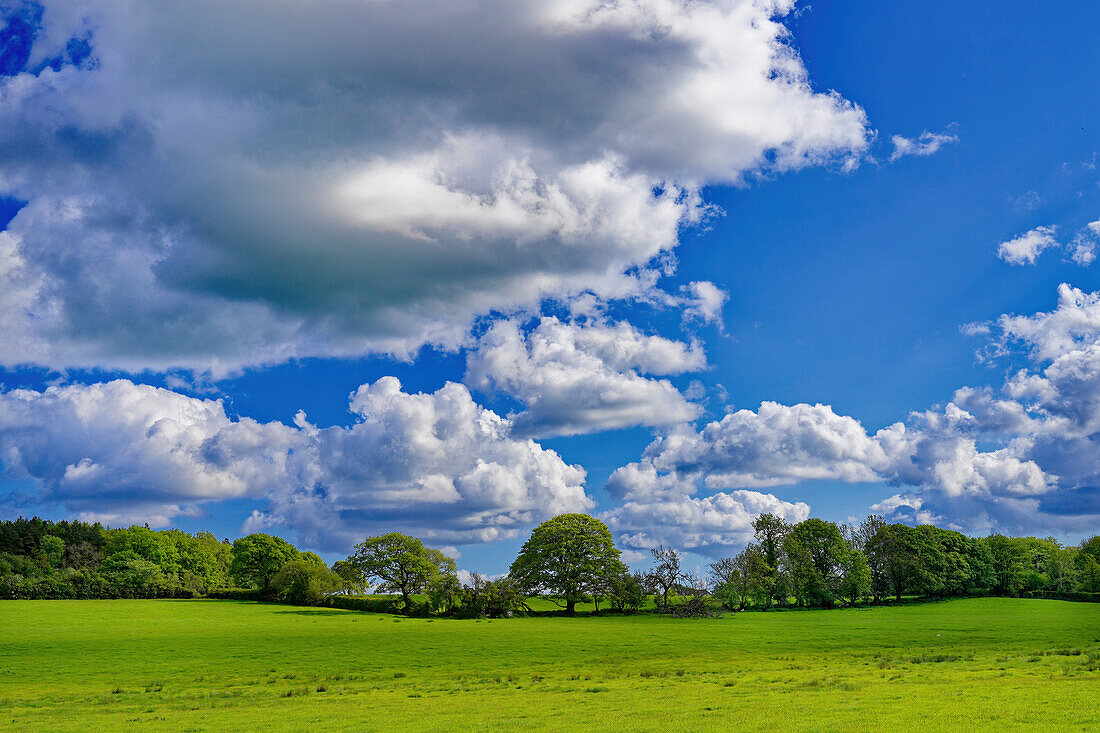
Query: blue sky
[172, 231]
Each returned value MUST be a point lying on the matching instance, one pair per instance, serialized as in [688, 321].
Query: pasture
[224, 665]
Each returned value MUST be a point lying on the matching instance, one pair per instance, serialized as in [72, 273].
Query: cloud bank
[1023, 461]
[434, 464]
[219, 184]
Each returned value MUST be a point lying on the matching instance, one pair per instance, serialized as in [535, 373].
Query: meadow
[223, 665]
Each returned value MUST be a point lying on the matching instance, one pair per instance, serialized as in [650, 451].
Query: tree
[1010, 564]
[257, 558]
[567, 556]
[855, 579]
[666, 571]
[905, 560]
[770, 531]
[304, 582]
[724, 577]
[354, 583]
[53, 549]
[815, 551]
[401, 563]
[627, 591]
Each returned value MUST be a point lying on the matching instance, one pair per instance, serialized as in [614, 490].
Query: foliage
[400, 564]
[258, 557]
[304, 582]
[568, 556]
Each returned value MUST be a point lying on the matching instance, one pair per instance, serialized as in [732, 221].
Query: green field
[222, 665]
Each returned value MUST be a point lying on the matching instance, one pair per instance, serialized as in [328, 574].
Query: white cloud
[348, 177]
[574, 378]
[1024, 460]
[708, 525]
[1026, 248]
[704, 301]
[437, 465]
[927, 143]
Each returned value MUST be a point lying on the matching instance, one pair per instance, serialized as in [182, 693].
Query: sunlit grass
[219, 665]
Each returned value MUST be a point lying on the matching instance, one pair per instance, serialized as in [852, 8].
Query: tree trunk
[570, 607]
[407, 599]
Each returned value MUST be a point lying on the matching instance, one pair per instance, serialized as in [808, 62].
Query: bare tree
[666, 571]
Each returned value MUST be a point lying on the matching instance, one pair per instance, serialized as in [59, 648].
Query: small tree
[627, 591]
[725, 576]
[566, 556]
[304, 582]
[665, 574]
[401, 563]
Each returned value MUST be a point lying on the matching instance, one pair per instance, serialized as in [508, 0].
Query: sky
[332, 269]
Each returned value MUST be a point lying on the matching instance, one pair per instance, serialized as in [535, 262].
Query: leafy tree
[1010, 564]
[905, 560]
[815, 551]
[627, 591]
[400, 563]
[567, 556]
[770, 531]
[258, 557]
[354, 582]
[486, 598]
[665, 574]
[725, 576]
[53, 549]
[855, 576]
[304, 582]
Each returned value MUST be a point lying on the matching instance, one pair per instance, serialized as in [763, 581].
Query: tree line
[569, 559]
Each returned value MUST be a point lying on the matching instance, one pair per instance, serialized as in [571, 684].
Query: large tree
[258, 557]
[568, 556]
[400, 563]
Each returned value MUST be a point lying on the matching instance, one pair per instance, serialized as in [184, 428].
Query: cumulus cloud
[703, 301]
[709, 525]
[220, 184]
[578, 378]
[928, 143]
[438, 465]
[1026, 248]
[1024, 459]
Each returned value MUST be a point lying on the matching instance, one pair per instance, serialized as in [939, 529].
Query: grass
[225, 665]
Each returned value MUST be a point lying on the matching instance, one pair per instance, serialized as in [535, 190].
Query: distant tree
[627, 591]
[1087, 565]
[567, 557]
[53, 550]
[400, 563]
[855, 576]
[304, 582]
[725, 578]
[815, 550]
[665, 573]
[354, 582]
[904, 560]
[257, 558]
[770, 531]
[1010, 564]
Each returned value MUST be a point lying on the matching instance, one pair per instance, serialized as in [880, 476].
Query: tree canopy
[568, 556]
[400, 564]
